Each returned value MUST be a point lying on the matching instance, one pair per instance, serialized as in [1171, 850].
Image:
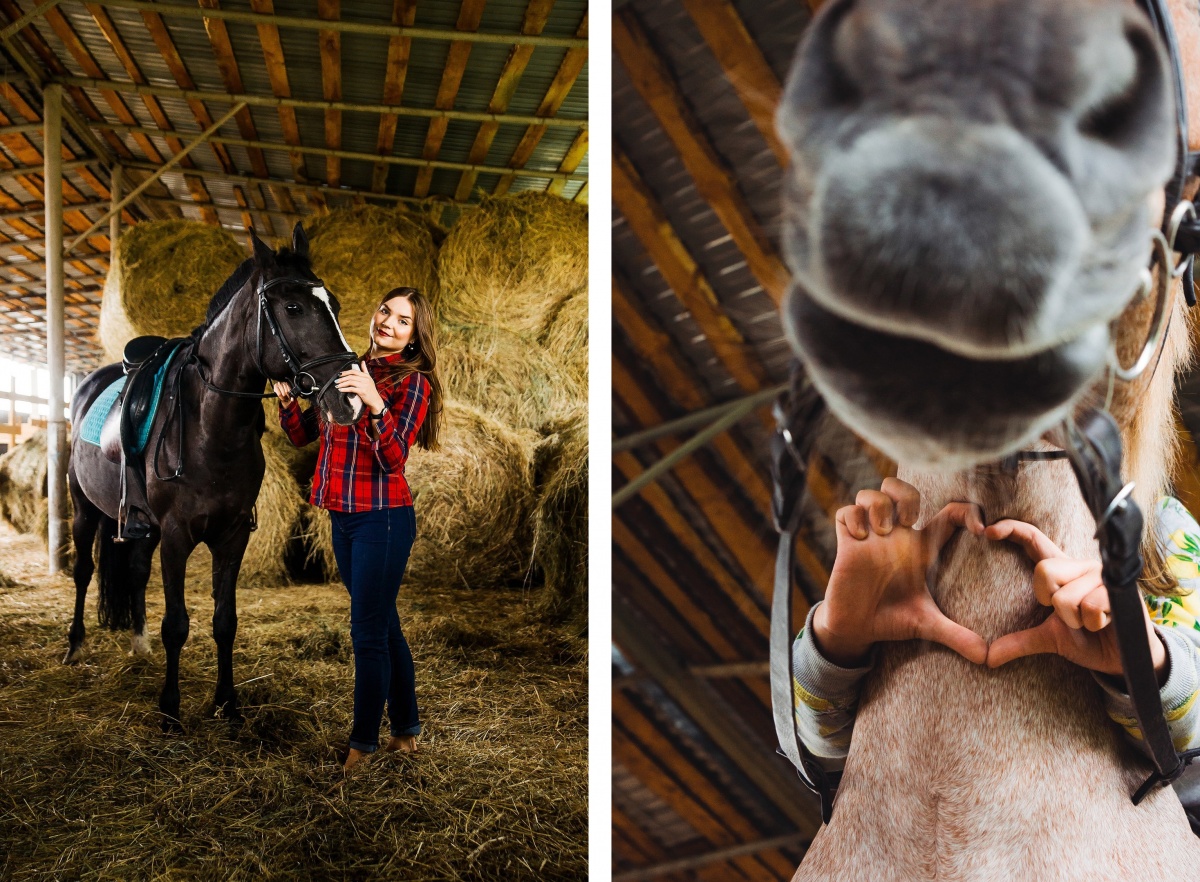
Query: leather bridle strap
[797, 413]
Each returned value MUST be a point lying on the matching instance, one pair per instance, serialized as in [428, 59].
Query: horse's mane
[285, 259]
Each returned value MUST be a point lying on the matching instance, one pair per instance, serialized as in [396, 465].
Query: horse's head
[969, 208]
[300, 338]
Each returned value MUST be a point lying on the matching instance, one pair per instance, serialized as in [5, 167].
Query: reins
[1093, 446]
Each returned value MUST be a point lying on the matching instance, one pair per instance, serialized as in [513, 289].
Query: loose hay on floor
[363, 252]
[166, 274]
[512, 261]
[92, 790]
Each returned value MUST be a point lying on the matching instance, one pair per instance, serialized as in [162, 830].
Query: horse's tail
[116, 586]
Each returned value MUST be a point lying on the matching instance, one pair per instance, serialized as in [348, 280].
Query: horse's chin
[341, 409]
[931, 408]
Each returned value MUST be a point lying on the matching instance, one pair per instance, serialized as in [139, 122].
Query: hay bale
[512, 261]
[278, 509]
[565, 338]
[166, 274]
[473, 500]
[560, 520]
[363, 252]
[23, 486]
[505, 375]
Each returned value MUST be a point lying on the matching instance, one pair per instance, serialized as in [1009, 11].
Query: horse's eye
[294, 308]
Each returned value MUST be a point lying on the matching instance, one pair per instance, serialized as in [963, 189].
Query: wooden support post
[114, 222]
[56, 435]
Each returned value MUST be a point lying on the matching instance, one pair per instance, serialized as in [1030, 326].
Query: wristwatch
[378, 416]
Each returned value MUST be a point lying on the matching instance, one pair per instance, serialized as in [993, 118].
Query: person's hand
[878, 590]
[1080, 627]
[357, 381]
[283, 389]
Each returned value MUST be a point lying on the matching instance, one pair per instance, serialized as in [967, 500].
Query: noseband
[304, 385]
[1092, 445]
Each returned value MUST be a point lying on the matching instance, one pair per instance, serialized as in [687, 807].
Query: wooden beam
[698, 862]
[330, 42]
[218, 38]
[733, 828]
[679, 269]
[108, 27]
[716, 719]
[272, 46]
[746, 69]
[715, 182]
[745, 544]
[404, 13]
[682, 800]
[470, 13]
[166, 48]
[575, 154]
[560, 87]
[536, 15]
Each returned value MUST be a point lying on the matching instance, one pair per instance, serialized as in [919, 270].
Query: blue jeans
[371, 549]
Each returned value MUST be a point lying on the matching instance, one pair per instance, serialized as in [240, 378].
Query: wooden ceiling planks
[330, 42]
[404, 12]
[469, 16]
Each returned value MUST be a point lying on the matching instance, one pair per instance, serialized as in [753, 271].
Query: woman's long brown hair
[420, 357]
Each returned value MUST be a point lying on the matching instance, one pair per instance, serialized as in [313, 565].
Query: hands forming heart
[879, 588]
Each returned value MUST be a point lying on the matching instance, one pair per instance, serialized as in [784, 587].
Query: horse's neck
[991, 591]
[227, 355]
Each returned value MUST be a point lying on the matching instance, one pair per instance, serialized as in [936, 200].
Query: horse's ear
[299, 240]
[262, 251]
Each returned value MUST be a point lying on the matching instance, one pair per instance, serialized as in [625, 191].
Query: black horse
[272, 319]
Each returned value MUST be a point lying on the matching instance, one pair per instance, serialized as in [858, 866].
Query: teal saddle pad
[93, 422]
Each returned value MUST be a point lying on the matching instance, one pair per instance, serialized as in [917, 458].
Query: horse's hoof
[171, 726]
[139, 645]
[72, 655]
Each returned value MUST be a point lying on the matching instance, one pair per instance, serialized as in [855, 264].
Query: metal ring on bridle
[1159, 322]
[1185, 210]
[302, 390]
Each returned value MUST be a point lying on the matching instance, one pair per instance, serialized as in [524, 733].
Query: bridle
[304, 385]
[1093, 446]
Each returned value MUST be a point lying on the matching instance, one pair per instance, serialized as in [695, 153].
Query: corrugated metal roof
[363, 69]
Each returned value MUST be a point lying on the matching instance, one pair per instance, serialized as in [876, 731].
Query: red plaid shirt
[358, 470]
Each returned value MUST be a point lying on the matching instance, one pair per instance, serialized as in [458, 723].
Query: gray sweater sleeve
[826, 699]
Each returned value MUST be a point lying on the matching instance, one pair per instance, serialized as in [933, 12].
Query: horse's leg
[83, 533]
[140, 558]
[176, 548]
[227, 562]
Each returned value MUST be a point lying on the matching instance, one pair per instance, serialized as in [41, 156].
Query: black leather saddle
[142, 359]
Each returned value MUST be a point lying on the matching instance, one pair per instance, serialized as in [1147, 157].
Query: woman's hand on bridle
[878, 590]
[357, 381]
[1080, 627]
[283, 389]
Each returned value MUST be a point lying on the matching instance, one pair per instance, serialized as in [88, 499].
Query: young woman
[360, 480]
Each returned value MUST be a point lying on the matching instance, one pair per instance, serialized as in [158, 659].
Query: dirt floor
[90, 788]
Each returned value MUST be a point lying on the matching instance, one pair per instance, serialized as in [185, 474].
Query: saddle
[126, 428]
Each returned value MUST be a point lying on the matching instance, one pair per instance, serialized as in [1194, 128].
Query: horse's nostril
[1120, 117]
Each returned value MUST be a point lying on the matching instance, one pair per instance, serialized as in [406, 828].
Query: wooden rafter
[108, 27]
[745, 67]
[457, 56]
[715, 182]
[536, 15]
[650, 224]
[218, 38]
[331, 86]
[404, 13]
[272, 46]
[560, 87]
[571, 161]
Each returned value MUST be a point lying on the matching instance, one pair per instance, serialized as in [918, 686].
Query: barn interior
[452, 133]
[699, 791]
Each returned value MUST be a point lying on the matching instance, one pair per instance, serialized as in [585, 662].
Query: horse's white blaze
[139, 645]
[355, 401]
